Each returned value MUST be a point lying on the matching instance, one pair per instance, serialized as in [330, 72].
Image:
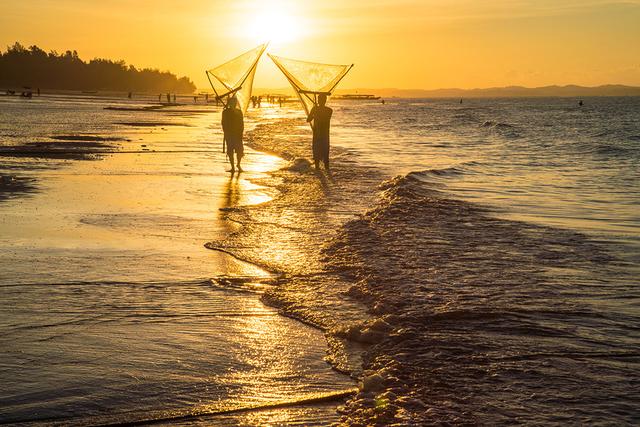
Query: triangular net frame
[235, 77]
[310, 79]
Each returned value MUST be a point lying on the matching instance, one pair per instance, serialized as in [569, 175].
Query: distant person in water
[320, 115]
[233, 127]
[581, 103]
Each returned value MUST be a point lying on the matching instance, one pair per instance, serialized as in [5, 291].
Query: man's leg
[239, 155]
[239, 159]
[325, 156]
[230, 155]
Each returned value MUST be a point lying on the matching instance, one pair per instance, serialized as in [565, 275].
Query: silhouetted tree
[20, 66]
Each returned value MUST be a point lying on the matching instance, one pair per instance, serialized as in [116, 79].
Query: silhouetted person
[321, 116]
[174, 98]
[168, 99]
[38, 91]
[129, 95]
[160, 99]
[233, 127]
[581, 103]
[259, 101]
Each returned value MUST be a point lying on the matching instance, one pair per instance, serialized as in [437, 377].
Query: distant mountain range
[506, 92]
[570, 91]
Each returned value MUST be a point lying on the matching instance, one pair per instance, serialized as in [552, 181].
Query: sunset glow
[272, 22]
[404, 44]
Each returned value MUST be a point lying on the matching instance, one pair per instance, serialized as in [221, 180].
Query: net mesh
[309, 78]
[235, 77]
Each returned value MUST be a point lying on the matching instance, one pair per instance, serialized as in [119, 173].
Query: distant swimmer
[382, 102]
[581, 103]
[321, 116]
[233, 128]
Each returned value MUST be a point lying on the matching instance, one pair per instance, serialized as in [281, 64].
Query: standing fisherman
[233, 128]
[321, 116]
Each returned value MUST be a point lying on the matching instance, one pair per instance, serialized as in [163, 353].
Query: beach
[114, 311]
[467, 263]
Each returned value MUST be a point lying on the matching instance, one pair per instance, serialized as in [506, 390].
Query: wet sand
[104, 272]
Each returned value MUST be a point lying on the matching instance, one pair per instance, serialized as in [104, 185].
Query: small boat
[356, 97]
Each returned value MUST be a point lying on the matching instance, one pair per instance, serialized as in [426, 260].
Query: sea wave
[457, 314]
[458, 293]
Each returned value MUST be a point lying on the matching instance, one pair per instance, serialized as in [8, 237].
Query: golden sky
[424, 44]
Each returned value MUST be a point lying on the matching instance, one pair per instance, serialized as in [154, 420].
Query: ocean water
[505, 256]
[471, 263]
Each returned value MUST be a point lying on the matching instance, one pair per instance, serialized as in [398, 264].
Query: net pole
[214, 90]
[255, 64]
[340, 79]
[294, 86]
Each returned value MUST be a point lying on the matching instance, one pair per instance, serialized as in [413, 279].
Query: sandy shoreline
[87, 222]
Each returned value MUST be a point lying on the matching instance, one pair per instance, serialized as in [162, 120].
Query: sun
[275, 24]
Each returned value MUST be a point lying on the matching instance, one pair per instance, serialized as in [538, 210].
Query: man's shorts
[235, 146]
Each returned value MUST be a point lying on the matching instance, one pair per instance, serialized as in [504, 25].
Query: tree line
[35, 68]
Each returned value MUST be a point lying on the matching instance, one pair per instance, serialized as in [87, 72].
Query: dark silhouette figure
[129, 95]
[321, 116]
[581, 103]
[174, 98]
[168, 99]
[233, 128]
[160, 99]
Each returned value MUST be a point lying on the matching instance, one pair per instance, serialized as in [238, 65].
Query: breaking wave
[445, 312]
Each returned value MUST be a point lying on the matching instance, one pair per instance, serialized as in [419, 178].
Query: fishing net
[310, 79]
[235, 77]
